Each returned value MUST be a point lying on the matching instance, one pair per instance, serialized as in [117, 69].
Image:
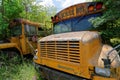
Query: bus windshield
[74, 24]
[76, 17]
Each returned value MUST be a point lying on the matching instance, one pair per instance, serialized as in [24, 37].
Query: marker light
[99, 6]
[56, 17]
[91, 8]
[53, 19]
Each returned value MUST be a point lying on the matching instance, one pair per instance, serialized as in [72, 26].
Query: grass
[13, 69]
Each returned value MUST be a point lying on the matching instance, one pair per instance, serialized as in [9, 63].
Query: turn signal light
[55, 18]
[91, 8]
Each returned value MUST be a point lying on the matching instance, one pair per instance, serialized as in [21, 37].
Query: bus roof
[23, 21]
[77, 10]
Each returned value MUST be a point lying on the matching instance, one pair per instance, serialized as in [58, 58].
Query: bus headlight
[35, 56]
[102, 71]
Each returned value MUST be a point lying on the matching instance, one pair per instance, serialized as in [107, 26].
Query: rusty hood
[84, 36]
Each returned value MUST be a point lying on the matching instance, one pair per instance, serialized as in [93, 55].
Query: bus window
[62, 27]
[33, 30]
[16, 30]
[30, 30]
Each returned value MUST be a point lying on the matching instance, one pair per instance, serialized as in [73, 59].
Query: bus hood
[83, 36]
[7, 45]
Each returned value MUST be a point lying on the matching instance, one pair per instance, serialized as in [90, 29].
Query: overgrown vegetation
[26, 9]
[14, 69]
[109, 24]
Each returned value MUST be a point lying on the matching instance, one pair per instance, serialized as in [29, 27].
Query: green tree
[109, 23]
[38, 13]
[9, 9]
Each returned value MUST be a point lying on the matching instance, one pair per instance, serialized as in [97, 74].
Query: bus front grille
[61, 50]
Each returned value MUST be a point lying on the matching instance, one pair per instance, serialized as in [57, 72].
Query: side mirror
[107, 62]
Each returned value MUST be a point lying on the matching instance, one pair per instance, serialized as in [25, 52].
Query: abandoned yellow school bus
[23, 37]
[73, 52]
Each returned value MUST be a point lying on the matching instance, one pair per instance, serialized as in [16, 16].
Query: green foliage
[25, 71]
[10, 70]
[109, 23]
[9, 9]
[12, 8]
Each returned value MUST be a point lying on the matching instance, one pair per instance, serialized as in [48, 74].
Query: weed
[13, 69]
